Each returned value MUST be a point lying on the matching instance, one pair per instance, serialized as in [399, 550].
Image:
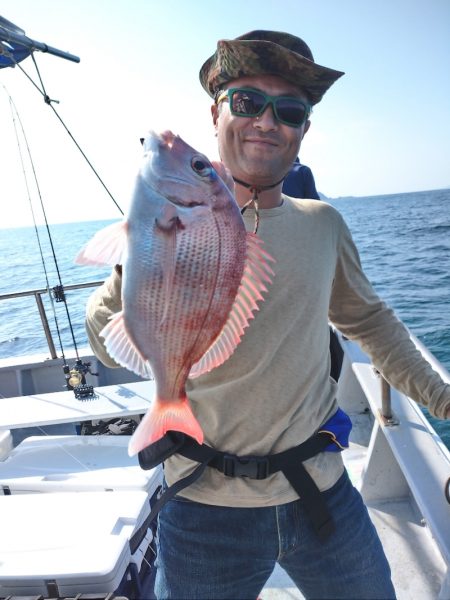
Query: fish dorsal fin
[257, 272]
[106, 247]
[121, 349]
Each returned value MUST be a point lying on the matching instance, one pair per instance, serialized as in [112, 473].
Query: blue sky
[382, 128]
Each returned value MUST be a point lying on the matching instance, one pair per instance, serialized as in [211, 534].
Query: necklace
[256, 190]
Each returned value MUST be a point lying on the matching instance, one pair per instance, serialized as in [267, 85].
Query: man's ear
[215, 114]
[306, 127]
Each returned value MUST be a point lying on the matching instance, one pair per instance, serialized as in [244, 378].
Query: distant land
[325, 198]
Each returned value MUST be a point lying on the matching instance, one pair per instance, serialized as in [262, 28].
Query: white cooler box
[64, 544]
[75, 463]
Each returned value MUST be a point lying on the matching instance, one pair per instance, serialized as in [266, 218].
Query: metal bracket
[391, 421]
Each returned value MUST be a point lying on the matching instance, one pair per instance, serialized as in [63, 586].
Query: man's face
[259, 151]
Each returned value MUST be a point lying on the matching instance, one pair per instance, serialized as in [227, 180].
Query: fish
[192, 278]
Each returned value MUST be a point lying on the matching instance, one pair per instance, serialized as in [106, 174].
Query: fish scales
[206, 278]
[192, 277]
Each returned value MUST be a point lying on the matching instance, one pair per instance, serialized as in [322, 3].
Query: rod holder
[386, 414]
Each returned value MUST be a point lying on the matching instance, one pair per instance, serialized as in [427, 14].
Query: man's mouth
[260, 140]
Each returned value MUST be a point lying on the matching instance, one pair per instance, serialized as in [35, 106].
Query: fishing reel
[76, 379]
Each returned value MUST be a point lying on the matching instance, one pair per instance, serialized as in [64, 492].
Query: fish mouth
[156, 141]
[168, 154]
[168, 138]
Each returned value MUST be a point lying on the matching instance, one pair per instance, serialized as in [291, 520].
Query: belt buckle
[253, 467]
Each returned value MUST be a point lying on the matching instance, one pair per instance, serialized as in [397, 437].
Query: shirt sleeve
[102, 304]
[361, 315]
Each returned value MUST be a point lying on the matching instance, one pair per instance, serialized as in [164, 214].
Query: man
[299, 182]
[222, 535]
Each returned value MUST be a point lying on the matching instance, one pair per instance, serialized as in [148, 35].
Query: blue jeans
[211, 552]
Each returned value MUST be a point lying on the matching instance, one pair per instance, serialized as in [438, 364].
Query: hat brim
[240, 58]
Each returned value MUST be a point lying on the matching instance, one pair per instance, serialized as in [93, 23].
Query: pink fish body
[192, 277]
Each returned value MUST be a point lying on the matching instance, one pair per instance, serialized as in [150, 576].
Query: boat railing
[385, 394]
[39, 293]
[38, 296]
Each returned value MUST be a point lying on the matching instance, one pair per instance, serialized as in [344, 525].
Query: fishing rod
[14, 42]
[13, 38]
[75, 376]
[15, 47]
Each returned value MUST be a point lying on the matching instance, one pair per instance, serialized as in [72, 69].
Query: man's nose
[267, 120]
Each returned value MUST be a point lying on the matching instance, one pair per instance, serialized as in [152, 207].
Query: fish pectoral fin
[161, 417]
[121, 348]
[168, 220]
[169, 225]
[106, 247]
[257, 272]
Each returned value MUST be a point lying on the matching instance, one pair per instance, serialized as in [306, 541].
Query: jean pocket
[341, 484]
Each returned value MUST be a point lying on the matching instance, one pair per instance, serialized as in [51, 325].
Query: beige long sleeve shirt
[275, 390]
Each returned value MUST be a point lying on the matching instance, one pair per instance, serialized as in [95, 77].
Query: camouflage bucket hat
[267, 53]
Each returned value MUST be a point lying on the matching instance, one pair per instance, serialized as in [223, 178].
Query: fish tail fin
[162, 417]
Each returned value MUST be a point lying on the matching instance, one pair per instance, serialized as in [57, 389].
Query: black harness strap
[254, 467]
[139, 534]
[313, 501]
[260, 467]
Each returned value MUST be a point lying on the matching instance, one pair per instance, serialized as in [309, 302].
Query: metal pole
[48, 334]
[386, 409]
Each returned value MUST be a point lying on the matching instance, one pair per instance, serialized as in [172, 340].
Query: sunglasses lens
[247, 103]
[251, 103]
[291, 111]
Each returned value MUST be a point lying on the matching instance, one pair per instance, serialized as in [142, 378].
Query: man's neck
[266, 199]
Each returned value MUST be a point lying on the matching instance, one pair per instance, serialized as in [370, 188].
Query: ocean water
[404, 244]
[403, 240]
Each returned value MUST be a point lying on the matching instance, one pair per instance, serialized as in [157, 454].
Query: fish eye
[201, 166]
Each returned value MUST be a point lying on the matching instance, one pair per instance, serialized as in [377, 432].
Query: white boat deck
[407, 542]
[408, 548]
[401, 471]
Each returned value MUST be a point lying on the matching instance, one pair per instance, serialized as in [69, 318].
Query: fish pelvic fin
[121, 348]
[257, 273]
[106, 247]
[161, 417]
